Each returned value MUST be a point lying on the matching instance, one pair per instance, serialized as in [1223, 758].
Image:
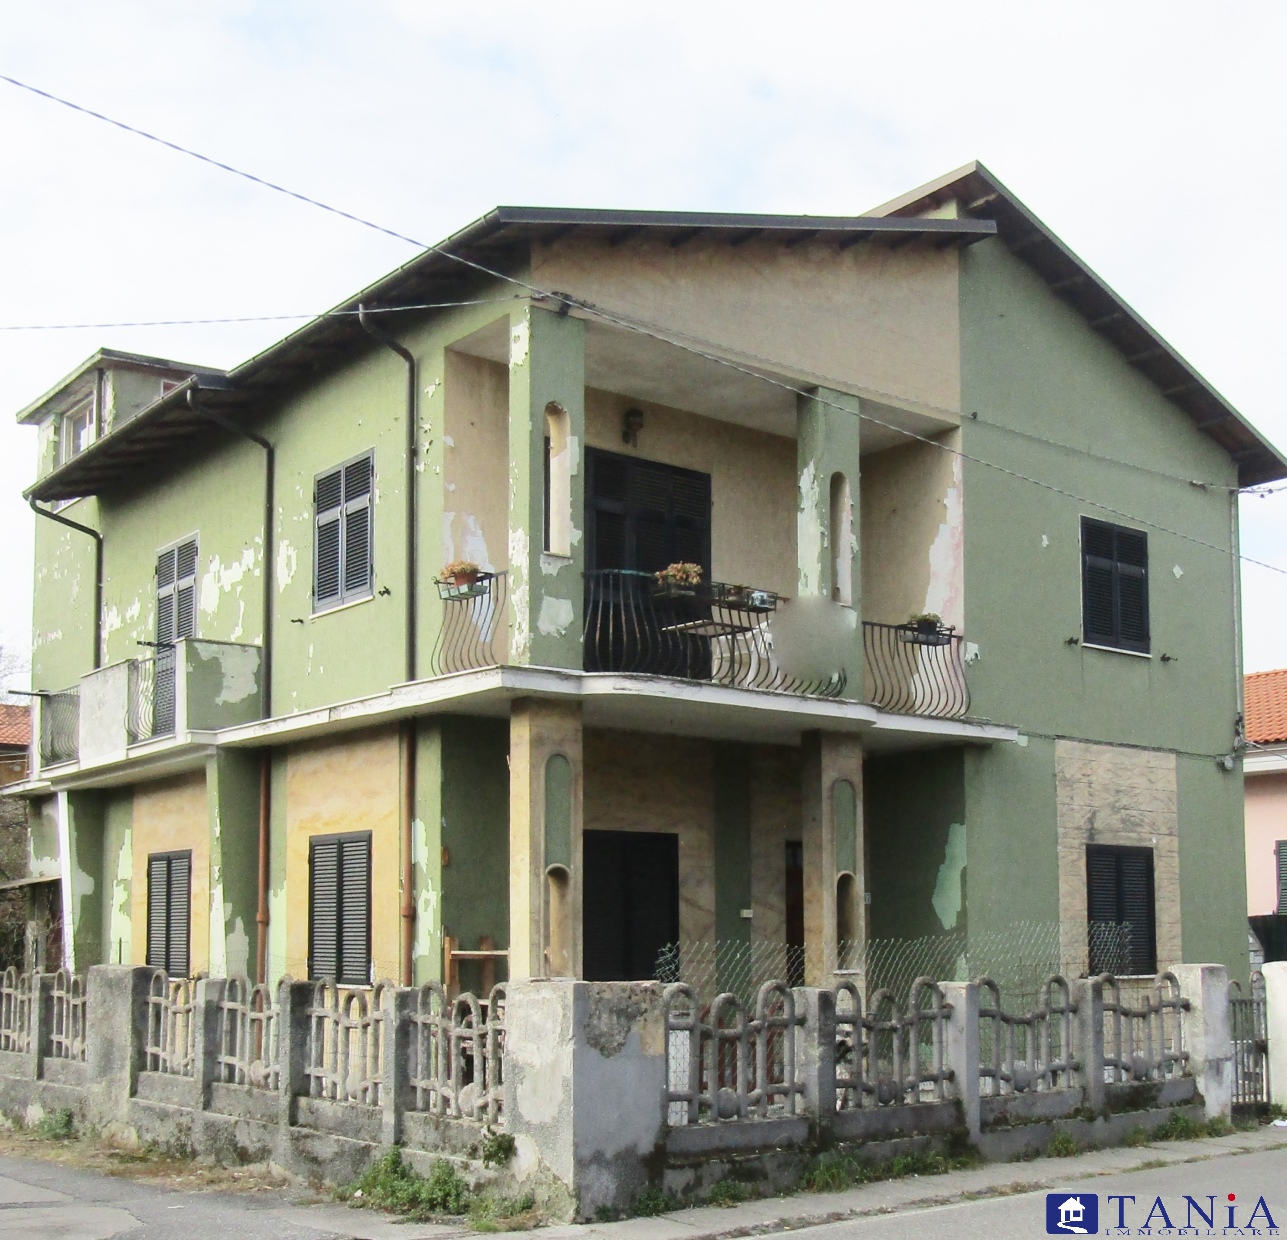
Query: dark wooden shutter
[356, 554]
[1280, 850]
[169, 912]
[355, 910]
[1114, 586]
[323, 907]
[1120, 909]
[1135, 883]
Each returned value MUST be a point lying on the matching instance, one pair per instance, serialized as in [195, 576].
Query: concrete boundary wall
[595, 1082]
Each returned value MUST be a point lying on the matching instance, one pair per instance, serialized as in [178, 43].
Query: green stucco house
[634, 594]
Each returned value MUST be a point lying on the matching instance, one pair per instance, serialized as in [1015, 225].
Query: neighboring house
[1265, 769]
[273, 741]
[25, 912]
[15, 741]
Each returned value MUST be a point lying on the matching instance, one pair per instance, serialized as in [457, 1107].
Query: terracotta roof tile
[15, 725]
[1266, 695]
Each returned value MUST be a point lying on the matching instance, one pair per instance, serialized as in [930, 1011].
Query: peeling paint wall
[475, 520]
[349, 783]
[171, 815]
[118, 879]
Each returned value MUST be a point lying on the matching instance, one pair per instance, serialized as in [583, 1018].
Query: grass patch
[1152, 1164]
[492, 1212]
[390, 1184]
[57, 1126]
[832, 1172]
[1136, 1137]
[651, 1202]
[1062, 1145]
[1179, 1127]
[728, 1193]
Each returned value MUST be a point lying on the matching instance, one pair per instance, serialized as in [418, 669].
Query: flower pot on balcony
[464, 579]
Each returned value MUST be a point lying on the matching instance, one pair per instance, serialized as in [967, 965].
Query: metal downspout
[407, 737]
[265, 758]
[98, 569]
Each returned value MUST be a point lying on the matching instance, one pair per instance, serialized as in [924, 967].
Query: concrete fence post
[1275, 975]
[208, 994]
[1207, 1035]
[815, 1047]
[293, 1000]
[395, 1089]
[1089, 1034]
[585, 1085]
[116, 1014]
[962, 1050]
[42, 1019]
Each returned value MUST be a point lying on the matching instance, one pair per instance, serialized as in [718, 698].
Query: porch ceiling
[656, 372]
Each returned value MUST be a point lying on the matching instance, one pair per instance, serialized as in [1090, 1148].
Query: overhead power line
[700, 348]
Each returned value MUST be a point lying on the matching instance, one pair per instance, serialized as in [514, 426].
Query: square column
[829, 562]
[835, 933]
[545, 820]
[546, 557]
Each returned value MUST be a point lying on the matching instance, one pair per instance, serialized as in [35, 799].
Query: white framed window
[76, 430]
[342, 536]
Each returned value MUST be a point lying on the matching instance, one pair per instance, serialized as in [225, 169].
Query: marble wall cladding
[1109, 794]
[636, 781]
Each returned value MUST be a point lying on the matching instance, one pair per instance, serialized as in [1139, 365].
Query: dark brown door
[630, 903]
[795, 912]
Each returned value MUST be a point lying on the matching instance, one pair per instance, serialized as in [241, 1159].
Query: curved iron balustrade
[60, 727]
[914, 671]
[711, 632]
[473, 615]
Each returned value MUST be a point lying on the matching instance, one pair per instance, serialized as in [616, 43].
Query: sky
[1148, 136]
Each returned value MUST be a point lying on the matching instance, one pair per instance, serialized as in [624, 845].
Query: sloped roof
[499, 241]
[15, 725]
[1266, 706]
[979, 195]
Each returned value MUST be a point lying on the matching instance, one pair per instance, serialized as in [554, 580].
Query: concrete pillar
[208, 994]
[1276, 1027]
[545, 794]
[395, 1090]
[828, 531]
[294, 999]
[963, 1050]
[80, 856]
[585, 1085]
[42, 1019]
[1207, 1035]
[816, 1055]
[1089, 995]
[546, 588]
[116, 1012]
[832, 833]
[232, 807]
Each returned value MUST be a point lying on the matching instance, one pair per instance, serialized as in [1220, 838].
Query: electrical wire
[256, 318]
[672, 337]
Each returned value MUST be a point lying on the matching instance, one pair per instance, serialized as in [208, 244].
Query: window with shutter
[1120, 910]
[176, 592]
[342, 534]
[1280, 849]
[339, 908]
[644, 515]
[1114, 586]
[169, 912]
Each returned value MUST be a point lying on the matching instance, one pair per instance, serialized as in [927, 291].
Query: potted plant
[460, 573]
[926, 628]
[681, 578]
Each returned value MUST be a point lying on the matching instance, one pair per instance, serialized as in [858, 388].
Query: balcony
[192, 686]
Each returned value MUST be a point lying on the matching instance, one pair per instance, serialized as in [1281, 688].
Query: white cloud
[1147, 135]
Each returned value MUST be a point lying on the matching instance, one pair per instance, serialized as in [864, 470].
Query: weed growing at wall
[498, 1148]
[390, 1184]
[1062, 1145]
[728, 1193]
[1136, 1137]
[57, 1126]
[834, 1171]
[1179, 1127]
[490, 1212]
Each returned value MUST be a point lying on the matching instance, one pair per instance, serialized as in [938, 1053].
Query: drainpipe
[408, 731]
[266, 666]
[98, 569]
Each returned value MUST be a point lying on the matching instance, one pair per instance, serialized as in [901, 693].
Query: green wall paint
[844, 812]
[547, 364]
[62, 646]
[277, 941]
[118, 877]
[85, 821]
[232, 782]
[426, 852]
[475, 832]
[910, 805]
[558, 812]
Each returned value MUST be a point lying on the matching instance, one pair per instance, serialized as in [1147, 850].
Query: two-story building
[361, 659]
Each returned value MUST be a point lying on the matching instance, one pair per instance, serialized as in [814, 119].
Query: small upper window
[342, 545]
[76, 430]
[1114, 586]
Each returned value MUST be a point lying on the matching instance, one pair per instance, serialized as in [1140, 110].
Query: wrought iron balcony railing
[152, 696]
[914, 669]
[60, 727]
[711, 632]
[472, 620]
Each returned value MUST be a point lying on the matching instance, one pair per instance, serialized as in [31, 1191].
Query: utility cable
[673, 338]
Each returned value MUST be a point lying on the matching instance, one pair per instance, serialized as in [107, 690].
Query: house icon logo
[1075, 1214]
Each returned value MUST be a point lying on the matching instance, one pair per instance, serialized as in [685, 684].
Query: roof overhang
[500, 241]
[977, 194]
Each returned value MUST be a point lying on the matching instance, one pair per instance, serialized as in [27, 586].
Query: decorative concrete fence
[610, 1088]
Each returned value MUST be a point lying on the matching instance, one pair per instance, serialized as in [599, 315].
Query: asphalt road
[1248, 1176]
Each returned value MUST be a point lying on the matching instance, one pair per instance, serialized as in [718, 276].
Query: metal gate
[1250, 1044]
